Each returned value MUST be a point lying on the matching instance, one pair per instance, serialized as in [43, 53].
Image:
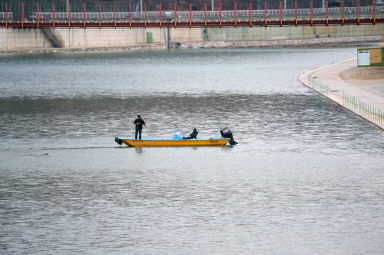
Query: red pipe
[235, 14]
[374, 11]
[250, 14]
[326, 11]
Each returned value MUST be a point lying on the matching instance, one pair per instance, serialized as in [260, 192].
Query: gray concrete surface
[362, 94]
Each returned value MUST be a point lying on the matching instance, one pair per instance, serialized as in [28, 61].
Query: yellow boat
[130, 142]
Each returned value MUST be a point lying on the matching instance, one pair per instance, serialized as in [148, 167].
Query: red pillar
[311, 12]
[295, 13]
[130, 15]
[54, 14]
[220, 13]
[99, 15]
[342, 12]
[22, 15]
[281, 13]
[326, 11]
[374, 11]
[265, 13]
[6, 14]
[250, 14]
[38, 15]
[114, 12]
[69, 15]
[190, 15]
[145, 14]
[358, 12]
[235, 14]
[85, 21]
[160, 13]
[205, 14]
[175, 13]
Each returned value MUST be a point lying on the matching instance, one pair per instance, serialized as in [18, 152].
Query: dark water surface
[307, 176]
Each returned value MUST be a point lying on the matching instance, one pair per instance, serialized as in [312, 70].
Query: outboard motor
[117, 140]
[227, 133]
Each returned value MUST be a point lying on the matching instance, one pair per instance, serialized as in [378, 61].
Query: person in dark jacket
[139, 122]
[193, 135]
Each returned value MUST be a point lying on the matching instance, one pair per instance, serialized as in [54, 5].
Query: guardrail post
[160, 13]
[175, 13]
[342, 12]
[295, 13]
[250, 14]
[38, 15]
[190, 15]
[265, 13]
[311, 12]
[281, 13]
[358, 12]
[326, 11]
[235, 14]
[374, 11]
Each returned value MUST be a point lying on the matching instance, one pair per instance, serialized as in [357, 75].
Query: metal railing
[366, 110]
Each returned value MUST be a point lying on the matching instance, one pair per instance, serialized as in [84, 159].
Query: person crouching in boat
[139, 122]
[193, 135]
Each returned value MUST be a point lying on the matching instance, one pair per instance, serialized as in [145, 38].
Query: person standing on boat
[139, 122]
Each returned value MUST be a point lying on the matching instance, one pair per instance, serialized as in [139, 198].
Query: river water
[307, 176]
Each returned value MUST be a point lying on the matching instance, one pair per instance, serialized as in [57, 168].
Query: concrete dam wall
[21, 39]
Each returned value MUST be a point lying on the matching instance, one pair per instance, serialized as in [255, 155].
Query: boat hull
[173, 143]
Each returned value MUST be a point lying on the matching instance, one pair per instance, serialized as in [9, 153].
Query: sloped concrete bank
[361, 90]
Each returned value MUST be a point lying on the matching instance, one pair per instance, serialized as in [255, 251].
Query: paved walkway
[360, 90]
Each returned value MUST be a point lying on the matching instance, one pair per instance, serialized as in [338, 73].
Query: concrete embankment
[359, 89]
[72, 39]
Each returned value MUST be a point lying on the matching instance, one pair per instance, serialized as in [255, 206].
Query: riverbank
[359, 89]
[371, 41]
